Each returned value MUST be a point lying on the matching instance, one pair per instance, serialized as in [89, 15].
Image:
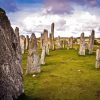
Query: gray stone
[82, 45]
[97, 58]
[11, 85]
[59, 43]
[27, 42]
[52, 42]
[43, 55]
[33, 60]
[22, 43]
[41, 40]
[46, 41]
[91, 42]
[70, 43]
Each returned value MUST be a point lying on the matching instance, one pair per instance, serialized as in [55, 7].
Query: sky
[71, 17]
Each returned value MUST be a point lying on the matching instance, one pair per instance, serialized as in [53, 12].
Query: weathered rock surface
[33, 60]
[97, 58]
[70, 43]
[10, 61]
[27, 42]
[91, 42]
[82, 45]
[46, 41]
[59, 46]
[43, 55]
[22, 43]
[52, 43]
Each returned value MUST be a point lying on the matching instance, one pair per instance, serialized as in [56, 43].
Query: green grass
[65, 76]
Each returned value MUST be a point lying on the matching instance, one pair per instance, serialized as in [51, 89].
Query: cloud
[67, 6]
[58, 6]
[65, 25]
[70, 19]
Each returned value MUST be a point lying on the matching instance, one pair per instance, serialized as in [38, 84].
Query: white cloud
[65, 25]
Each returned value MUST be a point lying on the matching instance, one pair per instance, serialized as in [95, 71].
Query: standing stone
[43, 55]
[10, 61]
[41, 40]
[27, 42]
[70, 43]
[50, 40]
[46, 41]
[63, 43]
[19, 55]
[58, 43]
[82, 45]
[22, 43]
[97, 58]
[33, 60]
[52, 36]
[91, 42]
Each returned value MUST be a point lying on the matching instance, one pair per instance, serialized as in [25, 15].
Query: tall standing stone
[59, 43]
[97, 58]
[19, 55]
[27, 42]
[46, 41]
[22, 43]
[50, 41]
[91, 42]
[82, 45]
[10, 61]
[33, 60]
[43, 54]
[45, 46]
[41, 40]
[70, 43]
[52, 36]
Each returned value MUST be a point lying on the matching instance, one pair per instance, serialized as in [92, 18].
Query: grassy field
[65, 76]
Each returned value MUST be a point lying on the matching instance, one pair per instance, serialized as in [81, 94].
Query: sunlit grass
[65, 76]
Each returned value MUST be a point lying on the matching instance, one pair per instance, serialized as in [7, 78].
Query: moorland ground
[65, 76]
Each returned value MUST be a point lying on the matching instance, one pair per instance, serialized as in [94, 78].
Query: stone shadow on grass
[25, 97]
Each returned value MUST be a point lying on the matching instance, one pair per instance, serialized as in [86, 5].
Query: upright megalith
[52, 43]
[91, 42]
[97, 65]
[45, 46]
[33, 59]
[10, 61]
[41, 40]
[46, 41]
[70, 43]
[63, 43]
[82, 45]
[27, 42]
[43, 54]
[19, 55]
[22, 43]
[58, 43]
